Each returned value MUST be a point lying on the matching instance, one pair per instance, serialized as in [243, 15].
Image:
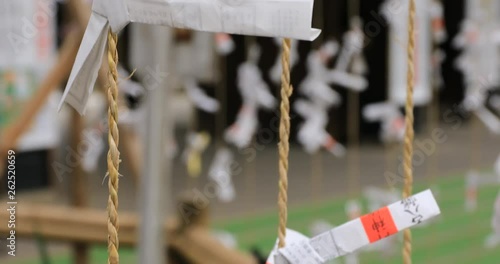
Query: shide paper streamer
[269, 18]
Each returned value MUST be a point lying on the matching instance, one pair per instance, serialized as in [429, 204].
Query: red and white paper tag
[360, 232]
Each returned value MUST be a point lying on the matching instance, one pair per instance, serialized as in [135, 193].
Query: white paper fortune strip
[95, 147]
[358, 233]
[351, 54]
[396, 12]
[224, 44]
[473, 181]
[255, 94]
[471, 186]
[393, 122]
[271, 18]
[200, 98]
[220, 173]
[196, 144]
[312, 133]
[242, 131]
[494, 238]
[490, 120]
[497, 166]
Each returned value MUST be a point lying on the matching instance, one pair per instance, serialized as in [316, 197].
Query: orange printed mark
[330, 143]
[10, 77]
[472, 36]
[324, 57]
[245, 109]
[221, 38]
[471, 193]
[437, 24]
[379, 224]
[398, 124]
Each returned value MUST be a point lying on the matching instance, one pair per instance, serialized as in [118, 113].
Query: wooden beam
[90, 226]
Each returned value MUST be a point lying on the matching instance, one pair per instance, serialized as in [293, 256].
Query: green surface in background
[455, 237]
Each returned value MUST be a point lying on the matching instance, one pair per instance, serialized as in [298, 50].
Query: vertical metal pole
[155, 183]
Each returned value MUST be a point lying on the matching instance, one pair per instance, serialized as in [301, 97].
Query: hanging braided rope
[409, 133]
[113, 153]
[286, 92]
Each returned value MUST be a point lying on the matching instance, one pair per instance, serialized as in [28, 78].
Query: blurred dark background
[332, 16]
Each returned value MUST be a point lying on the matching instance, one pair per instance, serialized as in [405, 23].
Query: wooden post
[353, 160]
[433, 123]
[221, 94]
[317, 158]
[353, 116]
[78, 190]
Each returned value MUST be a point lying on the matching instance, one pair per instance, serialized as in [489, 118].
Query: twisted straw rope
[113, 153]
[286, 92]
[409, 134]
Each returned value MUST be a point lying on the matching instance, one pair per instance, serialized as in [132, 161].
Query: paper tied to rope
[224, 43]
[317, 61]
[255, 94]
[312, 133]
[474, 180]
[241, 132]
[320, 93]
[496, 216]
[350, 65]
[351, 81]
[493, 240]
[319, 227]
[358, 233]
[269, 18]
[393, 122]
[196, 144]
[94, 150]
[220, 173]
[200, 99]
[396, 13]
[490, 120]
[438, 23]
[294, 238]
[497, 167]
[251, 85]
[471, 188]
[316, 84]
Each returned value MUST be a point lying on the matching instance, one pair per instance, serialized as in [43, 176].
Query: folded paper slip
[269, 18]
[360, 232]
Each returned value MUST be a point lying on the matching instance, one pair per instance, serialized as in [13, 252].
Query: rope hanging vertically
[286, 92]
[409, 133]
[113, 153]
